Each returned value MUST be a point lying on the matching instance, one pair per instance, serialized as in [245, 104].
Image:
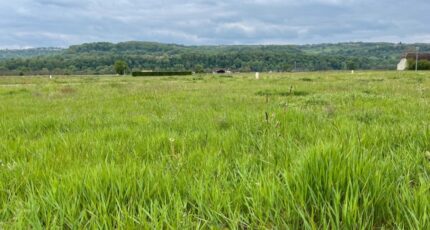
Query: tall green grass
[288, 151]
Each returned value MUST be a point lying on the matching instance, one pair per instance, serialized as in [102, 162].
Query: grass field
[293, 150]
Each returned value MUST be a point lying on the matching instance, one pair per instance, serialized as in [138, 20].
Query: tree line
[100, 58]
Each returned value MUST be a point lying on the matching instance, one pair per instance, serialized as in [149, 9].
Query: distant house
[403, 64]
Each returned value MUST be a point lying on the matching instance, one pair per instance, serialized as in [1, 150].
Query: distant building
[403, 64]
[221, 71]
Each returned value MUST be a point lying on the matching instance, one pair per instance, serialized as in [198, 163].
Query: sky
[61, 23]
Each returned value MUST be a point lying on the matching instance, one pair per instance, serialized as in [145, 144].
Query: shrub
[422, 64]
[120, 67]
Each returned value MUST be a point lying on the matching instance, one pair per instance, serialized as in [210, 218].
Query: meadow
[288, 151]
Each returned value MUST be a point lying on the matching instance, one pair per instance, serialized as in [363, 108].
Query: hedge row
[144, 74]
[422, 64]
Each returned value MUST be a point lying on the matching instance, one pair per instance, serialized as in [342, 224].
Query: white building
[403, 64]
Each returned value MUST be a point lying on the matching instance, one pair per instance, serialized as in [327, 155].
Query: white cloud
[65, 22]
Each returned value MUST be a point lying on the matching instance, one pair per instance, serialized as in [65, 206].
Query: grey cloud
[65, 22]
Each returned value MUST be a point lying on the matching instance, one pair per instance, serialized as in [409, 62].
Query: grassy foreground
[303, 150]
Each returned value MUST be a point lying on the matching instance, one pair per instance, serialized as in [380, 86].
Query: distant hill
[27, 53]
[385, 52]
[98, 58]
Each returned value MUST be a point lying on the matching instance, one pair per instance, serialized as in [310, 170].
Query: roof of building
[421, 56]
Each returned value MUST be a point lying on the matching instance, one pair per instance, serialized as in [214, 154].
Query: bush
[120, 67]
[422, 64]
[147, 74]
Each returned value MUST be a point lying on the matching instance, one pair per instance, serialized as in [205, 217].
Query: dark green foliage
[120, 67]
[98, 58]
[422, 64]
[199, 69]
[147, 74]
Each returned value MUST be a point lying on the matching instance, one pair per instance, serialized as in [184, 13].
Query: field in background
[297, 150]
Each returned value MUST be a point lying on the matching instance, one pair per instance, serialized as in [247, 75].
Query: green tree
[351, 65]
[287, 67]
[120, 67]
[199, 68]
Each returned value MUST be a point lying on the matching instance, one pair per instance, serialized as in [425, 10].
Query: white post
[257, 75]
[50, 76]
